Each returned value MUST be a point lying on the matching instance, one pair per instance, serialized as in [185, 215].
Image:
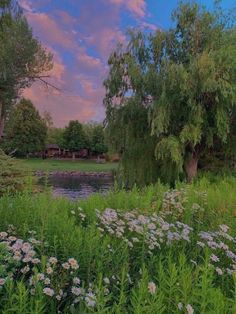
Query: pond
[77, 187]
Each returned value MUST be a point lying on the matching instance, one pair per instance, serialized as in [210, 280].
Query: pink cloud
[138, 7]
[49, 30]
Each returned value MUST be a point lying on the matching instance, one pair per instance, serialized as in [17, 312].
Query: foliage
[177, 87]
[123, 273]
[98, 145]
[74, 137]
[12, 177]
[26, 132]
[23, 60]
[55, 136]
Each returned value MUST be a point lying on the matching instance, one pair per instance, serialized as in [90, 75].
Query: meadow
[50, 165]
[153, 250]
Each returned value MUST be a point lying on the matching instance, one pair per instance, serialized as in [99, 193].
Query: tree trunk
[191, 167]
[2, 124]
[2, 121]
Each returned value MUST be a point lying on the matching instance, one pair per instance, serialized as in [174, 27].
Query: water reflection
[77, 187]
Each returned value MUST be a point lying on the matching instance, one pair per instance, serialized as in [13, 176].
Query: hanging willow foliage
[170, 95]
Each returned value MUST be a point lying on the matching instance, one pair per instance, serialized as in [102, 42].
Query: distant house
[52, 150]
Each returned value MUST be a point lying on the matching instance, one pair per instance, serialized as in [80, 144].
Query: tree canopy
[74, 137]
[22, 57]
[26, 131]
[171, 94]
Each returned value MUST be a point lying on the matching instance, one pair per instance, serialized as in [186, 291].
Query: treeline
[27, 133]
[171, 96]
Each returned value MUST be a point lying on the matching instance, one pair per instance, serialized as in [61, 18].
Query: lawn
[49, 165]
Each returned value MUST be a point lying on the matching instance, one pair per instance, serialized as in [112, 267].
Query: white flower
[2, 281]
[219, 271]
[35, 261]
[3, 235]
[66, 265]
[76, 281]
[49, 270]
[189, 309]
[90, 299]
[26, 247]
[73, 263]
[48, 291]
[25, 269]
[47, 281]
[180, 306]
[152, 287]
[224, 228]
[214, 258]
[106, 280]
[32, 291]
[58, 297]
[40, 276]
[53, 260]
[76, 291]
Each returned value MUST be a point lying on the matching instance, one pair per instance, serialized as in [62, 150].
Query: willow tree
[23, 60]
[184, 81]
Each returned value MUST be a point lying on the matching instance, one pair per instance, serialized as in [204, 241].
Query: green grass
[48, 165]
[180, 271]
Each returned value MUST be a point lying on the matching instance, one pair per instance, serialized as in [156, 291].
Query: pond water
[77, 187]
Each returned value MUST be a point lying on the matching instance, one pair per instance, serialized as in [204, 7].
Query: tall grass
[119, 275]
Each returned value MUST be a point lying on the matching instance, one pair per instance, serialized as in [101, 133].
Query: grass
[122, 278]
[48, 165]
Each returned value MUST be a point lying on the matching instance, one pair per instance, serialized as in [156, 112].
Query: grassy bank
[149, 251]
[48, 165]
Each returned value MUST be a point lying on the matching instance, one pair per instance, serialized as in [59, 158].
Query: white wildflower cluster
[27, 267]
[174, 203]
[133, 228]
[220, 243]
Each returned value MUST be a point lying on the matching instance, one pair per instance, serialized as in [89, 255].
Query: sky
[81, 34]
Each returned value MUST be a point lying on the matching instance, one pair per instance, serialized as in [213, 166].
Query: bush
[12, 178]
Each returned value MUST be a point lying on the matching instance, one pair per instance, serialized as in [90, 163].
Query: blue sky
[81, 34]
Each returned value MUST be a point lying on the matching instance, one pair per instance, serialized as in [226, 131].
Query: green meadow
[151, 250]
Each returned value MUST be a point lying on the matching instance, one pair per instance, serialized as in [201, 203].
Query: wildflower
[106, 280]
[214, 258]
[66, 265]
[201, 244]
[49, 270]
[32, 291]
[47, 281]
[219, 271]
[152, 287]
[48, 291]
[189, 309]
[3, 235]
[180, 306]
[224, 228]
[58, 297]
[40, 276]
[25, 269]
[2, 281]
[90, 299]
[73, 263]
[35, 261]
[76, 291]
[53, 260]
[26, 247]
[76, 281]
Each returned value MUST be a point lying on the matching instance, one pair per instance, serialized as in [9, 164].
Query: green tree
[183, 80]
[26, 130]
[22, 58]
[98, 144]
[74, 137]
